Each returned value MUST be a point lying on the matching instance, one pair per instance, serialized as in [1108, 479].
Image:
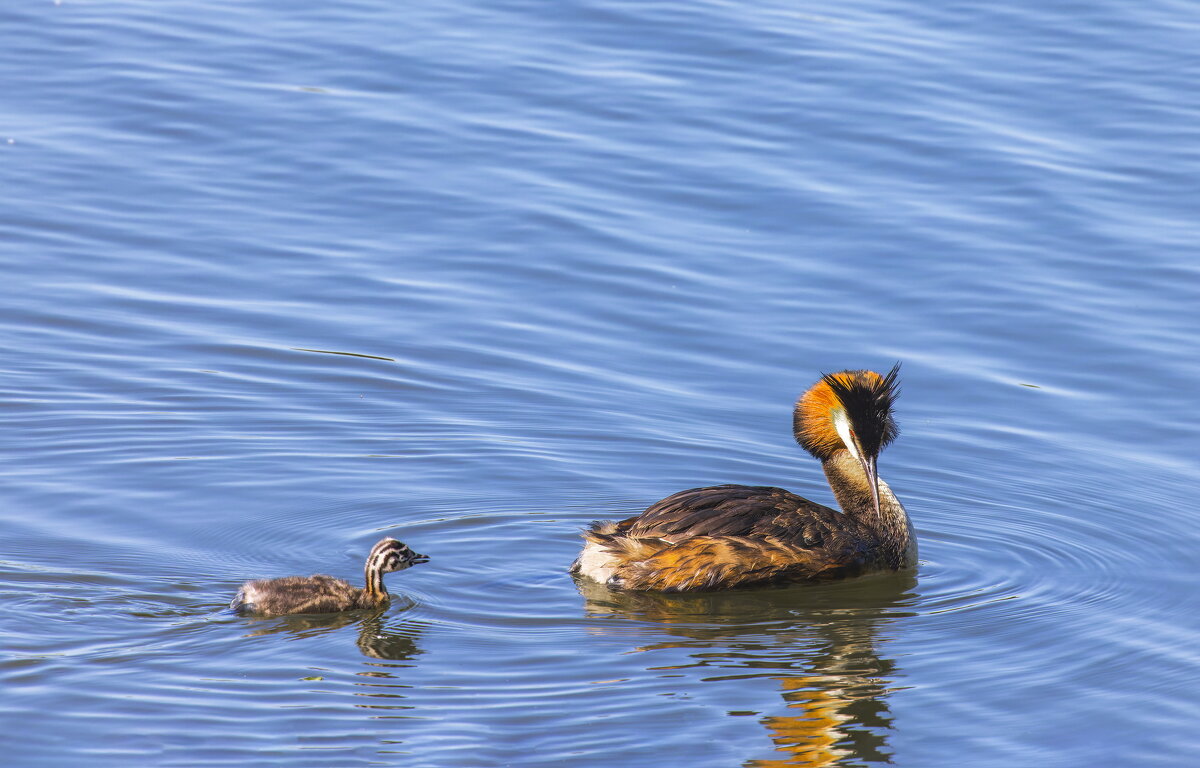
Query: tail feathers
[593, 537]
[622, 546]
[606, 550]
[241, 602]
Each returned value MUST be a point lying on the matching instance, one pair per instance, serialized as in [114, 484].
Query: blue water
[282, 279]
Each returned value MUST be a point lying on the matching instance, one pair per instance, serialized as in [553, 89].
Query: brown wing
[736, 510]
[731, 535]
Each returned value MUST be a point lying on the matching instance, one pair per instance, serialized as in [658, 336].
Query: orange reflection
[836, 700]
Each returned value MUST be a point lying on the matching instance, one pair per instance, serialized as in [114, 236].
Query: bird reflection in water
[818, 643]
[383, 687]
[376, 639]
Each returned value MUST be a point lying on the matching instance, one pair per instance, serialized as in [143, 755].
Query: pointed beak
[418, 559]
[868, 465]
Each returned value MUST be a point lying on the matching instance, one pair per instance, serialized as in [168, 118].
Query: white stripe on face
[841, 422]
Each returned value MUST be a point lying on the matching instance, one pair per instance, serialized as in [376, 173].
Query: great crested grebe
[324, 594]
[734, 535]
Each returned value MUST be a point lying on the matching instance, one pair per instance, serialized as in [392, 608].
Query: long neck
[374, 593]
[892, 527]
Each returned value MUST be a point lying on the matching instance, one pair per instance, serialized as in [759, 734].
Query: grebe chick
[324, 594]
[735, 535]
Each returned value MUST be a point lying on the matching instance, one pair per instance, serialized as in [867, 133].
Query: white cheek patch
[842, 424]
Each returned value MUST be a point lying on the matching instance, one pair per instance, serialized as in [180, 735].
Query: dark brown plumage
[324, 594]
[734, 535]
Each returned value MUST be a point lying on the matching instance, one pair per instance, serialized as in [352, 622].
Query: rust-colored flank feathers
[324, 594]
[735, 535]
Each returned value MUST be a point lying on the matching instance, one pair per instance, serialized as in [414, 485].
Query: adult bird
[735, 535]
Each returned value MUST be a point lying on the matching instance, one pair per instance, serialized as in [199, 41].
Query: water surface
[280, 281]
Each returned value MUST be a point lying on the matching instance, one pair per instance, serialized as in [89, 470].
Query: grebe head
[392, 555]
[849, 410]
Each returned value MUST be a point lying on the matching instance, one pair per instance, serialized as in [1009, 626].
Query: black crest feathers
[868, 399]
[864, 396]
